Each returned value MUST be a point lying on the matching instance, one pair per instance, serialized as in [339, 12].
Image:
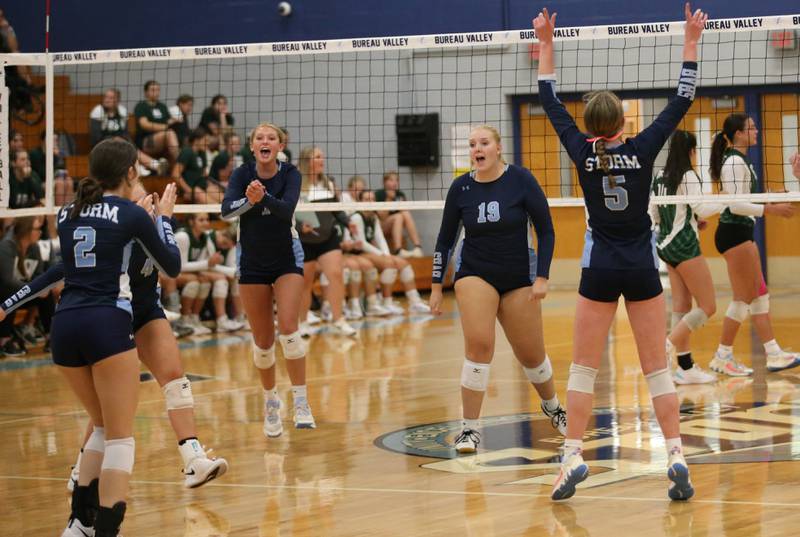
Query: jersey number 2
[616, 196]
[85, 238]
[488, 212]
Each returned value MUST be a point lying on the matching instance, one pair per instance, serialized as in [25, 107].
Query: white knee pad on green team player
[263, 358]
[737, 310]
[760, 306]
[96, 441]
[388, 276]
[292, 345]
[190, 290]
[204, 290]
[475, 376]
[220, 288]
[581, 378]
[695, 319]
[540, 373]
[407, 274]
[178, 394]
[660, 383]
[355, 276]
[119, 455]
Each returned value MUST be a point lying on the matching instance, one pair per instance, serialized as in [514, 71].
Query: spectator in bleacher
[395, 222]
[190, 172]
[25, 184]
[20, 262]
[223, 165]
[180, 113]
[153, 133]
[355, 185]
[202, 255]
[16, 142]
[63, 186]
[216, 119]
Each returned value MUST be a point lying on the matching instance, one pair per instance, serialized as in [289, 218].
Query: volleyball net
[407, 104]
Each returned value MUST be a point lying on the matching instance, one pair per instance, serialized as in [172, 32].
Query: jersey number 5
[488, 212]
[85, 238]
[616, 196]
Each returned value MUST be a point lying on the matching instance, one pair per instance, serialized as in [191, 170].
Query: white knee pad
[541, 373]
[178, 394]
[407, 274]
[204, 290]
[355, 276]
[263, 358]
[372, 275]
[660, 383]
[760, 305]
[346, 275]
[220, 288]
[323, 280]
[475, 376]
[190, 290]
[234, 288]
[292, 345]
[119, 455]
[388, 276]
[676, 318]
[581, 378]
[97, 440]
[695, 319]
[737, 310]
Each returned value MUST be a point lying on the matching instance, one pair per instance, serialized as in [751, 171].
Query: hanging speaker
[417, 139]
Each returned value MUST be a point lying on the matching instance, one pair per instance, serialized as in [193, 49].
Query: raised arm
[539, 212]
[41, 284]
[569, 134]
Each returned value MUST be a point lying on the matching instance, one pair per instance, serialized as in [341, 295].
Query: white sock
[299, 392]
[551, 404]
[673, 444]
[413, 296]
[772, 347]
[271, 394]
[372, 300]
[472, 425]
[572, 445]
[725, 349]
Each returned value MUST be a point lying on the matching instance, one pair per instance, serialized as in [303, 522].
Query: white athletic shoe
[558, 418]
[326, 312]
[226, 324]
[76, 529]
[405, 254]
[341, 328]
[199, 328]
[72, 482]
[417, 252]
[312, 318]
[678, 472]
[573, 471]
[171, 315]
[376, 310]
[782, 360]
[695, 375]
[419, 307]
[303, 419]
[201, 470]
[354, 312]
[273, 426]
[393, 308]
[728, 365]
[467, 441]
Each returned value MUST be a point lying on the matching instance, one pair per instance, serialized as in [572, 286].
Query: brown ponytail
[109, 162]
[732, 124]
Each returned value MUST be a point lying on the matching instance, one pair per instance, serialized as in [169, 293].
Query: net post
[49, 79]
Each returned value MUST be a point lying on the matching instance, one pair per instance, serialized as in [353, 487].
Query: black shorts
[729, 235]
[502, 284]
[606, 285]
[312, 252]
[502, 281]
[84, 336]
[268, 277]
[144, 313]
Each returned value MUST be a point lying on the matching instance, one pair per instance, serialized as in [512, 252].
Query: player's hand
[695, 23]
[353, 229]
[539, 289]
[795, 161]
[146, 203]
[435, 300]
[306, 229]
[167, 202]
[545, 25]
[215, 259]
[255, 192]
[786, 210]
[702, 224]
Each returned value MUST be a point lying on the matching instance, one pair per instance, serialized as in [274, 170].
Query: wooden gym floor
[387, 407]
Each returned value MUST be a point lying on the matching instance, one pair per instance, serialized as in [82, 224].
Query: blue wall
[94, 24]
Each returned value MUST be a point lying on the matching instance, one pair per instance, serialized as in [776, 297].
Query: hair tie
[606, 138]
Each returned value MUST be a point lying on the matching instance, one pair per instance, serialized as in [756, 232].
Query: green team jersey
[737, 177]
[155, 113]
[25, 193]
[194, 167]
[677, 223]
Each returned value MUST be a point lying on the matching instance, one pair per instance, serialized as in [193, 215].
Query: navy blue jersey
[266, 230]
[618, 234]
[97, 247]
[496, 217]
